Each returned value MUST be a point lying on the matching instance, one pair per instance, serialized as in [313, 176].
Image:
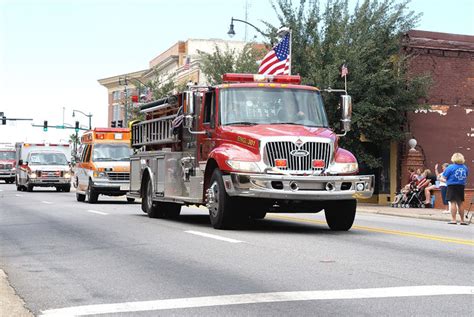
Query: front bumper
[7, 174]
[299, 187]
[112, 187]
[49, 182]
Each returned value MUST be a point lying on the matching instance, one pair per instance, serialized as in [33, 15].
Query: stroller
[412, 195]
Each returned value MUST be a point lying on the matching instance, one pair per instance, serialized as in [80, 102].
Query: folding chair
[470, 211]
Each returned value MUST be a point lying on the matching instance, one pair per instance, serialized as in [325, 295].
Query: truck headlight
[99, 174]
[243, 166]
[344, 168]
[67, 175]
[33, 175]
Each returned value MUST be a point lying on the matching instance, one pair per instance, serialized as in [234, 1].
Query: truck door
[83, 166]
[207, 141]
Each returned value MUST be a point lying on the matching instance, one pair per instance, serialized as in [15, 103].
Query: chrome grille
[49, 174]
[6, 166]
[282, 150]
[116, 176]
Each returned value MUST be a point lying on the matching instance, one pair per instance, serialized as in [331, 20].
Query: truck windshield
[47, 159]
[4, 155]
[249, 106]
[111, 152]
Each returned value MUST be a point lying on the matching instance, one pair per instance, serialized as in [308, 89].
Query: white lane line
[1, 190]
[18, 195]
[97, 212]
[46, 202]
[177, 303]
[213, 236]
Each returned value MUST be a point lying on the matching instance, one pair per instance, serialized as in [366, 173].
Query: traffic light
[77, 126]
[120, 123]
[113, 124]
[45, 125]
[4, 119]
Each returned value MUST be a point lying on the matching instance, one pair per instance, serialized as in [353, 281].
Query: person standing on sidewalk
[442, 184]
[456, 175]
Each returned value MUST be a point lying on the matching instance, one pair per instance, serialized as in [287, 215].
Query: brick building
[448, 125]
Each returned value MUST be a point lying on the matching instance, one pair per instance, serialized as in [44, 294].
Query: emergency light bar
[260, 78]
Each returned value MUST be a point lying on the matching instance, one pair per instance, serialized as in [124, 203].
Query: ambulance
[103, 164]
[7, 162]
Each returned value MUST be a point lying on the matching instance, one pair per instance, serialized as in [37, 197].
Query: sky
[52, 52]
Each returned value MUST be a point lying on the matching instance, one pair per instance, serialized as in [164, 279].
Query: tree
[229, 61]
[369, 41]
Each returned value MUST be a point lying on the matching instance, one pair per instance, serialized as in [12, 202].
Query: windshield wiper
[242, 123]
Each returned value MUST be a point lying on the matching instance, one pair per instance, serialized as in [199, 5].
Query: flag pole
[291, 56]
[345, 83]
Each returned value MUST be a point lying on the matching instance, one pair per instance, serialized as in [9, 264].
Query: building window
[116, 95]
[116, 113]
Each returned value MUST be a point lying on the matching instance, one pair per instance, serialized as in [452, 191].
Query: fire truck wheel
[80, 197]
[340, 214]
[171, 210]
[220, 205]
[258, 214]
[153, 209]
[92, 195]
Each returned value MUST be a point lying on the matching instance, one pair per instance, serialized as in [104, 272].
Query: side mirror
[346, 103]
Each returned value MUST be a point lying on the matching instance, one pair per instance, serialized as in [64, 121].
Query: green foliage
[229, 61]
[369, 41]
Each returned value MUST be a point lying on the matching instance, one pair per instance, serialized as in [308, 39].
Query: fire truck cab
[252, 145]
[7, 162]
[103, 164]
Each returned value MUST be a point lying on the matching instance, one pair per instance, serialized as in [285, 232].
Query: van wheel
[92, 195]
[340, 215]
[151, 208]
[67, 188]
[220, 205]
[29, 188]
[80, 197]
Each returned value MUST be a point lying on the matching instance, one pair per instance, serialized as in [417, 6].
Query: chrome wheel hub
[212, 199]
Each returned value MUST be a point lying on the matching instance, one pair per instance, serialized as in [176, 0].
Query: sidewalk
[420, 213]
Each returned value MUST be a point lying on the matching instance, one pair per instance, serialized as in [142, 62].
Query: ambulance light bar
[260, 78]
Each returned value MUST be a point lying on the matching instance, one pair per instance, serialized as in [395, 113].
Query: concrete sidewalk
[420, 213]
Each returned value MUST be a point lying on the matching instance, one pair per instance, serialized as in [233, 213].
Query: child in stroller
[413, 195]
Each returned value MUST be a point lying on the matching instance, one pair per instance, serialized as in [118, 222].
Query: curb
[436, 217]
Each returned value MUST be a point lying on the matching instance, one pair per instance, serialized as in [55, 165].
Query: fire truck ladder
[152, 132]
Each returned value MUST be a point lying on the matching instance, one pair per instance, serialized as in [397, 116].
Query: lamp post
[87, 115]
[231, 31]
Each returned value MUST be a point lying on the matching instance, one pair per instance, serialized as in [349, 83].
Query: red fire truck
[252, 145]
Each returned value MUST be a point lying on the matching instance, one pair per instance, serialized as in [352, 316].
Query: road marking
[18, 195]
[239, 299]
[97, 212]
[46, 202]
[1, 190]
[213, 236]
[387, 231]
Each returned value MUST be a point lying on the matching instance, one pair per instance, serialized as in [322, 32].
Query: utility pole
[124, 81]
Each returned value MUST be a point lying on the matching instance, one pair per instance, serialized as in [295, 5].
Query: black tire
[340, 215]
[130, 199]
[29, 188]
[59, 189]
[18, 188]
[170, 210]
[220, 205]
[91, 193]
[148, 205]
[67, 188]
[80, 197]
[257, 215]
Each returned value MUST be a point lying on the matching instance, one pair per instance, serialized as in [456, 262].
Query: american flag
[149, 94]
[277, 61]
[344, 70]
[187, 61]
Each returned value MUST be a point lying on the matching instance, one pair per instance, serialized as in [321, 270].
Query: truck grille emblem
[299, 153]
[298, 142]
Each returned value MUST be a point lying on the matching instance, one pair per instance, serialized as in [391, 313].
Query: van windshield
[251, 106]
[111, 152]
[47, 159]
[4, 155]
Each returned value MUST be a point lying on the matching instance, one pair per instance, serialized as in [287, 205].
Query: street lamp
[87, 115]
[231, 31]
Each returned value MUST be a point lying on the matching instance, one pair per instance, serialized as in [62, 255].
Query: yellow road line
[387, 231]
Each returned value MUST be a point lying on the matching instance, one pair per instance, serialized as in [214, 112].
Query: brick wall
[448, 126]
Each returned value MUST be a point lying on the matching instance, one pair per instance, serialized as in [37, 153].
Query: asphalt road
[72, 258]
